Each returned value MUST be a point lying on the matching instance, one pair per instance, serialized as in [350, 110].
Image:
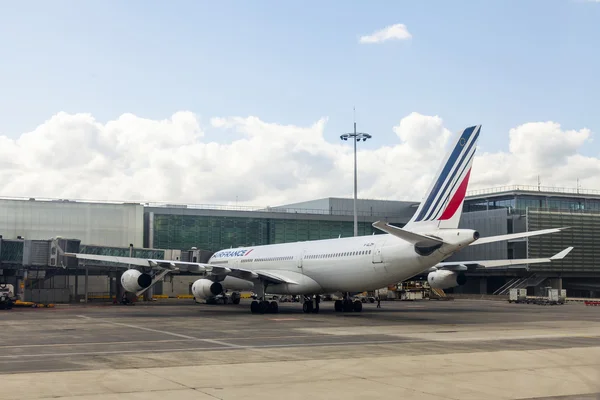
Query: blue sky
[498, 63]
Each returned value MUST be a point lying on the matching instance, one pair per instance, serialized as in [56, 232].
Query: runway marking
[91, 344]
[16, 346]
[224, 348]
[265, 346]
[39, 371]
[284, 319]
[219, 342]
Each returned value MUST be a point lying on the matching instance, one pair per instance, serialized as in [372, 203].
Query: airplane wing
[465, 265]
[184, 266]
[140, 262]
[491, 239]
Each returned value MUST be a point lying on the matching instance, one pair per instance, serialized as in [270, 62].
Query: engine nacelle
[444, 279]
[133, 280]
[204, 288]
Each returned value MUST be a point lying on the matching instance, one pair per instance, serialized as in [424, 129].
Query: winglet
[562, 254]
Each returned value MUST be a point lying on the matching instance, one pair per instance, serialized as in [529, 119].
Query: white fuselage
[352, 264]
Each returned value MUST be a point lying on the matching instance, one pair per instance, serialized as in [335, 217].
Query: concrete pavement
[422, 350]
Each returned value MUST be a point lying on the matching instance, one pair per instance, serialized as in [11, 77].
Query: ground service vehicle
[7, 296]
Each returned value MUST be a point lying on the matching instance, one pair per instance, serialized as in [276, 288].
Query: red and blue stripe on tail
[442, 206]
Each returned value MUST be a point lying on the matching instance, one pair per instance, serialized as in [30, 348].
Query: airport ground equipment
[8, 300]
[438, 294]
[551, 297]
[7, 296]
[517, 296]
[411, 295]
[556, 296]
[365, 298]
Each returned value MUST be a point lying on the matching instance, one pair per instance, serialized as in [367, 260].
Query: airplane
[347, 265]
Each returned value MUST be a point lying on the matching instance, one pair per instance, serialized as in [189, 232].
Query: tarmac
[175, 349]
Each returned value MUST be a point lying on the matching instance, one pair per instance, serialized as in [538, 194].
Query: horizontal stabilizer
[411, 237]
[460, 265]
[499, 238]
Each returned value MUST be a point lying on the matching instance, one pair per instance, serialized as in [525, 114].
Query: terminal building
[33, 231]
[527, 208]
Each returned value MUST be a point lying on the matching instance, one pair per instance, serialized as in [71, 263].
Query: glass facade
[520, 203]
[119, 252]
[545, 211]
[583, 235]
[11, 251]
[214, 233]
[489, 204]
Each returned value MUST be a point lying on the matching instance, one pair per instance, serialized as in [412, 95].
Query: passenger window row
[336, 255]
[308, 257]
[275, 258]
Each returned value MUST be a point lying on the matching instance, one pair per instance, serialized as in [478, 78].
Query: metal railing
[217, 207]
[532, 188]
[284, 210]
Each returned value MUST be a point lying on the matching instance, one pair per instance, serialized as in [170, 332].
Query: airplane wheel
[235, 298]
[348, 307]
[209, 301]
[357, 306]
[254, 307]
[307, 307]
[273, 307]
[263, 306]
[338, 306]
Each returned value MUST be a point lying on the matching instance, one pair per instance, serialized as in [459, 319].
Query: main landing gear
[264, 307]
[310, 305]
[347, 305]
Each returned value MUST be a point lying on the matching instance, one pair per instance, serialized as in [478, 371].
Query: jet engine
[133, 280]
[444, 279]
[203, 288]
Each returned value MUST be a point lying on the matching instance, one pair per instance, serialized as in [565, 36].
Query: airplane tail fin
[441, 207]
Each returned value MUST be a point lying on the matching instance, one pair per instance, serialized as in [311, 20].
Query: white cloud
[541, 149]
[397, 31]
[132, 158]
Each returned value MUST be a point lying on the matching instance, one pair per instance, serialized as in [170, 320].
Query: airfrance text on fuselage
[231, 253]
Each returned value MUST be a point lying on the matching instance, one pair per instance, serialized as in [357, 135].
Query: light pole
[357, 138]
